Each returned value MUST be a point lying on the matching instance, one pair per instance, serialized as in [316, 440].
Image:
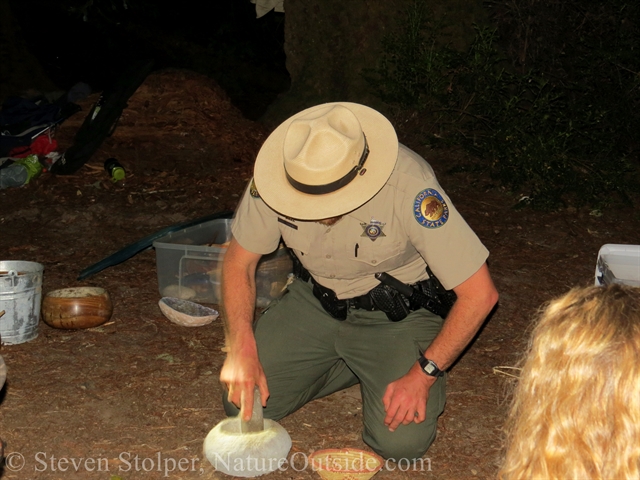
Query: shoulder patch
[429, 209]
[253, 191]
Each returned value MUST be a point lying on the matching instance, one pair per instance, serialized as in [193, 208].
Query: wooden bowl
[186, 313]
[345, 464]
[79, 307]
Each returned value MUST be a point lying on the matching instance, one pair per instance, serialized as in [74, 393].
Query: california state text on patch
[430, 209]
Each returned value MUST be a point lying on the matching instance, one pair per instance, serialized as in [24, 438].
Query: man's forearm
[241, 370]
[476, 298]
[457, 331]
[238, 304]
[238, 297]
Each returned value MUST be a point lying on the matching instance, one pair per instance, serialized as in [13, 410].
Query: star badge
[373, 229]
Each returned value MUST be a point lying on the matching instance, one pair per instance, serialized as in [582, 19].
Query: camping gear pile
[28, 126]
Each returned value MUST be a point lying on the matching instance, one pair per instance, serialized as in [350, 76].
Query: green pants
[307, 354]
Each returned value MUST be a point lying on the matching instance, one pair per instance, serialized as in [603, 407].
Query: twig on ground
[500, 371]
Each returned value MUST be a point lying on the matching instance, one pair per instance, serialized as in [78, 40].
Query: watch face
[430, 368]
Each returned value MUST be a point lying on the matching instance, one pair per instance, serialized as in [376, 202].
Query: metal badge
[430, 209]
[373, 229]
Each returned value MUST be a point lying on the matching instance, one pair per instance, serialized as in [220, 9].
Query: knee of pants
[407, 442]
[229, 408]
[398, 446]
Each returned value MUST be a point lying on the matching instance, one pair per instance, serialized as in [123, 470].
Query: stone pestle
[256, 422]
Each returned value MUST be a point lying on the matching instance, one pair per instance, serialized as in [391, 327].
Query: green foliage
[105, 9]
[415, 70]
[560, 131]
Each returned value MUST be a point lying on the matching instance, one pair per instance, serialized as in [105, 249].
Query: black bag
[102, 119]
[24, 119]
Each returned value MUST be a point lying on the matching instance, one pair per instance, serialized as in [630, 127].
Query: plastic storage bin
[189, 264]
[618, 264]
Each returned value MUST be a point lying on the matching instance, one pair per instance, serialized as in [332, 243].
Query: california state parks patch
[430, 209]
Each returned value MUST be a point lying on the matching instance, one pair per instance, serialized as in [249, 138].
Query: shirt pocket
[379, 256]
[298, 243]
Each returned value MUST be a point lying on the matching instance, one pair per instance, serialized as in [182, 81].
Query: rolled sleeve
[255, 225]
[449, 246]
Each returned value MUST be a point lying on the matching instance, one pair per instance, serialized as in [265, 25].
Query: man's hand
[405, 400]
[240, 372]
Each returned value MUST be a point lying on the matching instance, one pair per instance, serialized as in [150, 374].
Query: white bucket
[20, 298]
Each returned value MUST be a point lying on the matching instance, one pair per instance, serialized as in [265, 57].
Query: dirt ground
[136, 397]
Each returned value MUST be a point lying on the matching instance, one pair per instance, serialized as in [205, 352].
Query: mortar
[247, 449]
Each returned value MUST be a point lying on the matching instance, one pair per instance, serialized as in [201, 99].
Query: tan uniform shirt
[410, 222]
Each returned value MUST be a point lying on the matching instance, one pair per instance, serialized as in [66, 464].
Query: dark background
[221, 39]
[544, 94]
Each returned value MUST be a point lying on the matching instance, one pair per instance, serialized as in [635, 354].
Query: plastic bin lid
[618, 263]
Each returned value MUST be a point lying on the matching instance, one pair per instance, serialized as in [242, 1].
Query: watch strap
[429, 367]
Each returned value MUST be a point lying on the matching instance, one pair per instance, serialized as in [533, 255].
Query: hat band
[336, 185]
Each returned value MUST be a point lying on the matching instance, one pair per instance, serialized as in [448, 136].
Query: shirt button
[374, 261]
[328, 256]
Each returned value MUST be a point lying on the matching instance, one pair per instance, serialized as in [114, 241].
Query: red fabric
[41, 146]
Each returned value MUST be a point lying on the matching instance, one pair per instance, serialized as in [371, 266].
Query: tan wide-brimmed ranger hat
[326, 161]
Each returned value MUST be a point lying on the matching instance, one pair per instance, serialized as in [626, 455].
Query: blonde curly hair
[576, 409]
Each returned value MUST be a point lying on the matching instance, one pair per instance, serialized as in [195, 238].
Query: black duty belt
[395, 299]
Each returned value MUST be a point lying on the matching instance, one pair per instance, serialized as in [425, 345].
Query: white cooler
[618, 264]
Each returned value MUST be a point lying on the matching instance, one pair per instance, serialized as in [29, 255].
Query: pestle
[247, 448]
[256, 422]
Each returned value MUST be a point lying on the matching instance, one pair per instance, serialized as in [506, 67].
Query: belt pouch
[390, 302]
[329, 301]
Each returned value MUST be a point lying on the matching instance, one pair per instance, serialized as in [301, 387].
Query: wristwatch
[430, 367]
